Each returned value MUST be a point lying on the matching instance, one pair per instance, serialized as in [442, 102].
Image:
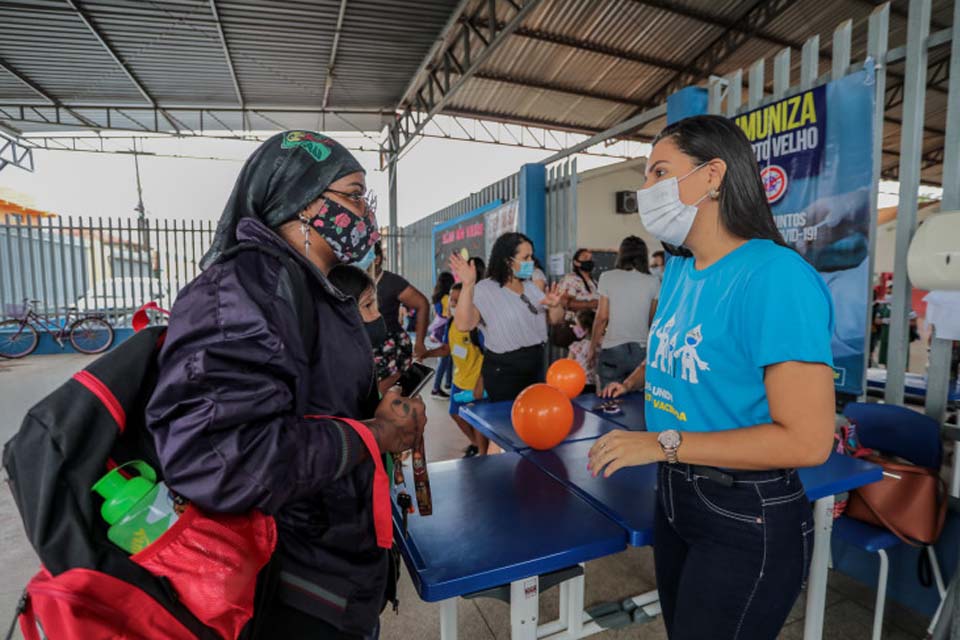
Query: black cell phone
[414, 379]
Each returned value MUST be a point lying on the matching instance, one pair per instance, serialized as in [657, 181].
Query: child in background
[438, 328]
[392, 353]
[580, 349]
[465, 350]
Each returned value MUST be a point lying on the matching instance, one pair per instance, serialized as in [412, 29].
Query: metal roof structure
[582, 66]
[587, 65]
[192, 65]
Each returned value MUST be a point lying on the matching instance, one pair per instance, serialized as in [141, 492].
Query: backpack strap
[292, 274]
[21, 608]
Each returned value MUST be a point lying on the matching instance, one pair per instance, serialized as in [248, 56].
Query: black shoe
[439, 393]
[470, 451]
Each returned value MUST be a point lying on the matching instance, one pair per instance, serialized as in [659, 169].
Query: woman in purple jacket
[232, 414]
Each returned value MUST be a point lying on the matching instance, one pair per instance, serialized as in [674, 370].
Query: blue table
[501, 520]
[493, 420]
[631, 406]
[627, 497]
[838, 475]
[914, 384]
[497, 519]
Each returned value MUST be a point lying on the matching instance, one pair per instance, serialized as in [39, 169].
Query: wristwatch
[670, 441]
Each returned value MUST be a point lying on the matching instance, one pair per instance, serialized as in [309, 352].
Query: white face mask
[656, 271]
[664, 214]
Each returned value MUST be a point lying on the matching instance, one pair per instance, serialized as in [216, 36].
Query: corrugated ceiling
[581, 65]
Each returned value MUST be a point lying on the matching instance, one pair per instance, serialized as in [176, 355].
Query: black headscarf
[282, 177]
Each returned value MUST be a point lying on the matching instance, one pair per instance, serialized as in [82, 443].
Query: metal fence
[107, 265]
[561, 218]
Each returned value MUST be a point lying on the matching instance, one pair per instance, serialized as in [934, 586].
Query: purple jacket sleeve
[222, 414]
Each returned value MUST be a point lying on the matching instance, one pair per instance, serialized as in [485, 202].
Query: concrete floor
[849, 605]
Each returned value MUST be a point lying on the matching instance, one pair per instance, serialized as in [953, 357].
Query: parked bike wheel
[17, 340]
[91, 335]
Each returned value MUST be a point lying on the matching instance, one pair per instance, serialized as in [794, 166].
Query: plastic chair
[897, 431]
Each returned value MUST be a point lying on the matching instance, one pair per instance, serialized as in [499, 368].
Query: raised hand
[466, 272]
[552, 296]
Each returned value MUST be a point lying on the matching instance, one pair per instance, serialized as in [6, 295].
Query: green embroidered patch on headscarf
[310, 142]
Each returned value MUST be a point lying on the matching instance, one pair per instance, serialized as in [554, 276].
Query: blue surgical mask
[367, 260]
[525, 270]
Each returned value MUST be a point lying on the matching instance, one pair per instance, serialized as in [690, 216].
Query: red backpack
[203, 578]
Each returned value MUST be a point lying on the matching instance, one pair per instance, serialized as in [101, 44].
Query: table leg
[524, 608]
[575, 606]
[817, 582]
[448, 619]
[564, 604]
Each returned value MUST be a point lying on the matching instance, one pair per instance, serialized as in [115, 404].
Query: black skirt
[507, 374]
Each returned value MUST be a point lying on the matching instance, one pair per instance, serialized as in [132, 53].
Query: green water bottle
[138, 509]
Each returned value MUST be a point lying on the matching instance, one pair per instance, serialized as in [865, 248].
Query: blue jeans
[445, 368]
[616, 363]
[730, 560]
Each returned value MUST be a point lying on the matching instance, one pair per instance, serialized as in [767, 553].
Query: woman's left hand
[613, 390]
[552, 297]
[620, 448]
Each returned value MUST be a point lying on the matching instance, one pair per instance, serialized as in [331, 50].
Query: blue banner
[815, 152]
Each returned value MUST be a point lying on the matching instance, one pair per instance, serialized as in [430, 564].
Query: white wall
[599, 226]
[886, 241]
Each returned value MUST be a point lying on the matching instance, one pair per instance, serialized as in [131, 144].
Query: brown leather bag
[912, 505]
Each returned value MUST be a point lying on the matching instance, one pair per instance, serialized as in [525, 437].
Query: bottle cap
[120, 494]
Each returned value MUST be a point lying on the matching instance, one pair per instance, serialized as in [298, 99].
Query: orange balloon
[542, 416]
[568, 376]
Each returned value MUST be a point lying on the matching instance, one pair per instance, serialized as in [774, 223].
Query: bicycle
[89, 333]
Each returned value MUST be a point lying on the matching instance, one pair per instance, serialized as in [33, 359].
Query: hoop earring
[305, 230]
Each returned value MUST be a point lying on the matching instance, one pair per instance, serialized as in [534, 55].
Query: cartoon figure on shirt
[653, 331]
[689, 360]
[662, 354]
[673, 348]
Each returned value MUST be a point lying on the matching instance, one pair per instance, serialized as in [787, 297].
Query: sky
[432, 174]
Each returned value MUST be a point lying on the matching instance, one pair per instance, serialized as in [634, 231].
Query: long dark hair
[351, 280]
[633, 255]
[499, 269]
[480, 266]
[744, 210]
[442, 288]
[576, 256]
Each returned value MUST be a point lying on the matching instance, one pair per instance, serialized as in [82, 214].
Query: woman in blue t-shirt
[738, 390]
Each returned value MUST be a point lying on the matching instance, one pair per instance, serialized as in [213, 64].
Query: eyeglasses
[368, 200]
[530, 305]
